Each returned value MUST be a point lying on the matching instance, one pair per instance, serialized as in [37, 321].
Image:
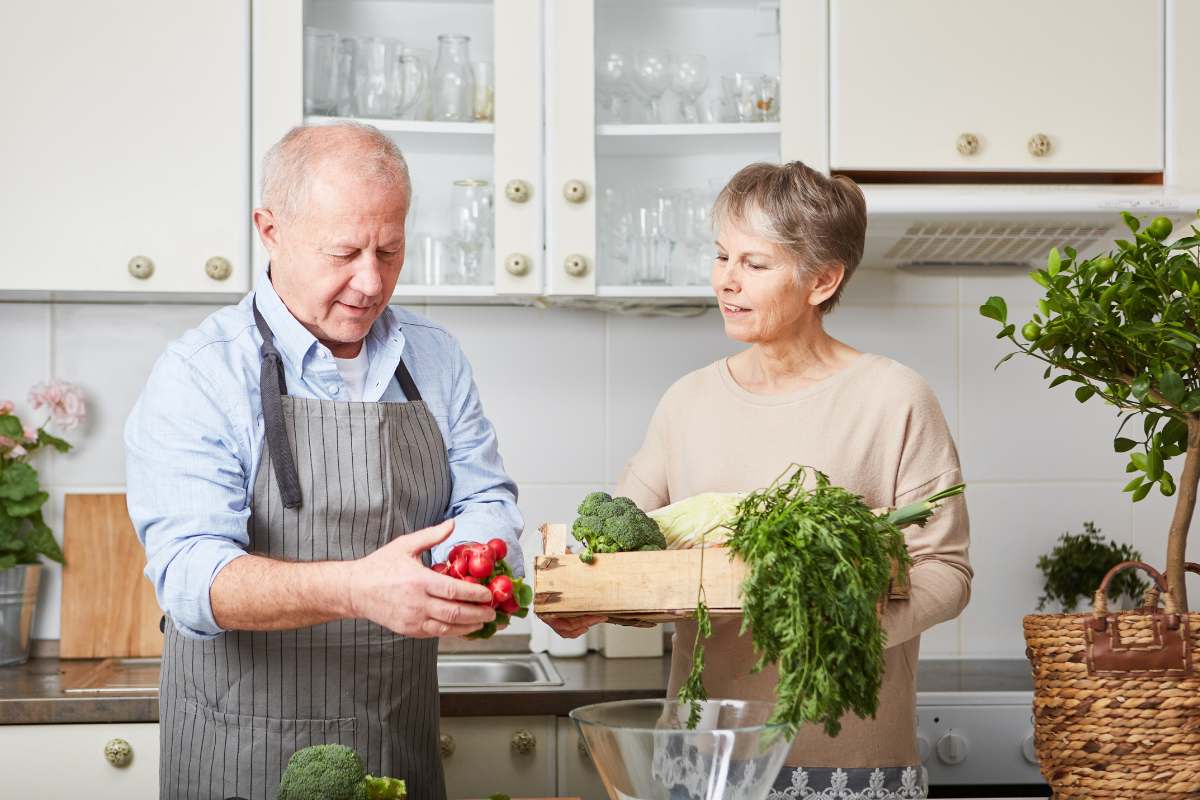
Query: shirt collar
[296, 343]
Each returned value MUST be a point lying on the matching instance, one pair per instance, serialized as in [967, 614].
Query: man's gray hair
[289, 165]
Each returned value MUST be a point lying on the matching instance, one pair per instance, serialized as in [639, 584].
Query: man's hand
[394, 589]
[573, 627]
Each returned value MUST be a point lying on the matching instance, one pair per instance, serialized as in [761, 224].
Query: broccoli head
[614, 525]
[334, 772]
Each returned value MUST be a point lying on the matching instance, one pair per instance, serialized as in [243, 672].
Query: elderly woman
[789, 238]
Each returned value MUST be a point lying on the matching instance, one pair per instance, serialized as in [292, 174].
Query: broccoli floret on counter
[334, 772]
[609, 524]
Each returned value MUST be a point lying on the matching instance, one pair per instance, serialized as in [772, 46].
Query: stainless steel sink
[464, 672]
[458, 672]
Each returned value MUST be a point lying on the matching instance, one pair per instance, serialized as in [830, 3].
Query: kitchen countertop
[33, 693]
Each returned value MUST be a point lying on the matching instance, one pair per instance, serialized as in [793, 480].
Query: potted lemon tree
[24, 535]
[1123, 328]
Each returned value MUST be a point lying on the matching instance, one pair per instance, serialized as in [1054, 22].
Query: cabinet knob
[576, 265]
[141, 267]
[446, 744]
[1039, 145]
[967, 144]
[517, 264]
[575, 191]
[218, 268]
[581, 743]
[523, 742]
[118, 752]
[517, 190]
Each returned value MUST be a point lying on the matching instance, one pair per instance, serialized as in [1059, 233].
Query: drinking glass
[453, 81]
[768, 98]
[485, 91]
[614, 234]
[320, 71]
[652, 74]
[742, 94]
[689, 79]
[418, 61]
[347, 69]
[470, 237]
[613, 68]
[410, 78]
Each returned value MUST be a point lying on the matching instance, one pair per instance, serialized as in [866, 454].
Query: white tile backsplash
[571, 393]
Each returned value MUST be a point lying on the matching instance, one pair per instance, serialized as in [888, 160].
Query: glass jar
[453, 80]
[470, 236]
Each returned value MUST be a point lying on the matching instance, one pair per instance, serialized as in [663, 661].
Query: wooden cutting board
[108, 606]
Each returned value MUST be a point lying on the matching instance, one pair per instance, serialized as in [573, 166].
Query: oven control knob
[923, 748]
[1029, 750]
[952, 749]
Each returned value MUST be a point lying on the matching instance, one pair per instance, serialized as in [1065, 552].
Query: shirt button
[334, 388]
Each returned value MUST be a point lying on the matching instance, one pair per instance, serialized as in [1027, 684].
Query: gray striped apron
[233, 709]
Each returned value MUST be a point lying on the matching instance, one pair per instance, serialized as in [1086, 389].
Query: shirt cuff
[190, 605]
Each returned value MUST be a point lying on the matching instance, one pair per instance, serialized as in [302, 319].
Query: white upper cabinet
[1019, 85]
[458, 87]
[124, 150]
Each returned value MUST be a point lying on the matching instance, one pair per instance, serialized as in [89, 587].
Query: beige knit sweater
[876, 429]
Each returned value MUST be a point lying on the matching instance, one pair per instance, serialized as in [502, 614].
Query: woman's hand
[573, 627]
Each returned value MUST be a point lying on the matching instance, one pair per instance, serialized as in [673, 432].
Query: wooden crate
[641, 588]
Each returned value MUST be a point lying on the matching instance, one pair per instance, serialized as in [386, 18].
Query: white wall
[571, 391]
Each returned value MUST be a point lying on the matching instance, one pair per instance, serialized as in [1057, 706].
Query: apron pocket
[238, 755]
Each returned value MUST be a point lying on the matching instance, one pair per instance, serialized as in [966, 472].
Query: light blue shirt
[194, 440]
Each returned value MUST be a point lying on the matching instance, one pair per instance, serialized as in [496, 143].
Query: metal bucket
[18, 599]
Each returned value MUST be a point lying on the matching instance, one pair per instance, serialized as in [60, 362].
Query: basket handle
[1158, 587]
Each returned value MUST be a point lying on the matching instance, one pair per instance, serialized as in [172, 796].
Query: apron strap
[271, 375]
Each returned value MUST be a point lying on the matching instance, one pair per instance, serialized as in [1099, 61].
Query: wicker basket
[1117, 700]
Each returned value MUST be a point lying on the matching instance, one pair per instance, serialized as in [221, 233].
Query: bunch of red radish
[484, 564]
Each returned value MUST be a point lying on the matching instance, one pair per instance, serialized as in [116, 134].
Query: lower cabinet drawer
[483, 756]
[70, 761]
[577, 775]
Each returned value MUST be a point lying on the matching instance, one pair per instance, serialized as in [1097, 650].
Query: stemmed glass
[652, 74]
[613, 69]
[689, 79]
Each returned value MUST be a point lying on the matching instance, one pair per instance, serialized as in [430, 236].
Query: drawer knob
[517, 190]
[1039, 145]
[118, 752]
[517, 264]
[576, 265]
[967, 144]
[523, 742]
[218, 268]
[446, 743]
[575, 191]
[141, 267]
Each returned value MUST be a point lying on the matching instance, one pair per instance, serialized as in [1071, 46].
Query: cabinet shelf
[682, 139]
[410, 125]
[655, 292]
[683, 129]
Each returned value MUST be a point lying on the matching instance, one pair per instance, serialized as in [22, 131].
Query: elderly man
[291, 464]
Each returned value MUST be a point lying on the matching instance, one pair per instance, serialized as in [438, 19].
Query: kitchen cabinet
[577, 773]
[1024, 85]
[74, 760]
[124, 153]
[483, 756]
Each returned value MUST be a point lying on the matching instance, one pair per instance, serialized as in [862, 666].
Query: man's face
[335, 260]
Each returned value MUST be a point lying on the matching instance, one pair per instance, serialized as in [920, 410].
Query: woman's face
[762, 293]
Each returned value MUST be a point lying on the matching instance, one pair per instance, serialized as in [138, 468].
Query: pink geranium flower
[30, 433]
[6, 407]
[64, 401]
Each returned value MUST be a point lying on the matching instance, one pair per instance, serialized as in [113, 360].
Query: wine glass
[613, 68]
[689, 79]
[652, 74]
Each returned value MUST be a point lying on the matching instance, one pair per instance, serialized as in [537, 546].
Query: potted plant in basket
[1112, 719]
[24, 534]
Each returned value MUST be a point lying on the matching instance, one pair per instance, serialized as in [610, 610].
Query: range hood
[1007, 225]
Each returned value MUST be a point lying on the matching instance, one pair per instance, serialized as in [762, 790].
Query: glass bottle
[453, 81]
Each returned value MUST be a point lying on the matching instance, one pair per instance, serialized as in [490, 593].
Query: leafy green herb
[820, 560]
[1077, 564]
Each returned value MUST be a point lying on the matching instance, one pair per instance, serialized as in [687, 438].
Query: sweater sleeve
[940, 577]
[644, 479]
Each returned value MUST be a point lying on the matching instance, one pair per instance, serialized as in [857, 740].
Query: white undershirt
[354, 373]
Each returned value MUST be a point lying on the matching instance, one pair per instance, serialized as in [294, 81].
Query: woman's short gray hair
[289, 165]
[818, 219]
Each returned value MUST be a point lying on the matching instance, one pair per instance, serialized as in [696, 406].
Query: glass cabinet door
[457, 86]
[652, 107]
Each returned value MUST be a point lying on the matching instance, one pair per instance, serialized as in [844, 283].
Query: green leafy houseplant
[1123, 327]
[1077, 564]
[24, 534]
